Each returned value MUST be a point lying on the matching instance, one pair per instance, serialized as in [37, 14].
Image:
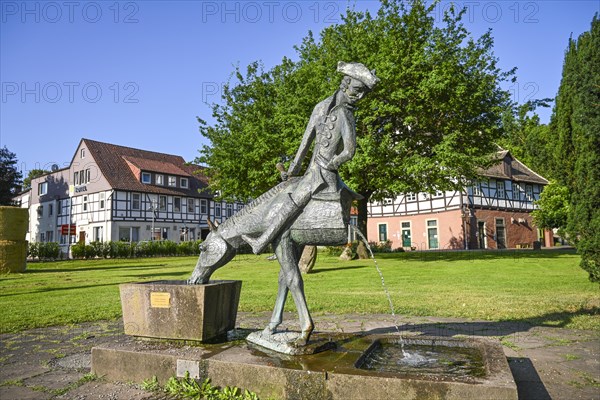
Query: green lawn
[541, 287]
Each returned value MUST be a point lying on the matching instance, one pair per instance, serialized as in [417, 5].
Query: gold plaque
[160, 299]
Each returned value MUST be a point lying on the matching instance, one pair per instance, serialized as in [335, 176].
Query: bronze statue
[313, 209]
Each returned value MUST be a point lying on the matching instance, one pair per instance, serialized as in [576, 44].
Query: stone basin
[332, 374]
[178, 310]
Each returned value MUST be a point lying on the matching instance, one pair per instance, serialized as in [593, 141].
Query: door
[406, 236]
[481, 234]
[82, 237]
[432, 234]
[500, 233]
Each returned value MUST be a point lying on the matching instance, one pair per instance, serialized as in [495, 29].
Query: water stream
[387, 293]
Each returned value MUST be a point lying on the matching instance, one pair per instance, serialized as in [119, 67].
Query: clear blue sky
[138, 73]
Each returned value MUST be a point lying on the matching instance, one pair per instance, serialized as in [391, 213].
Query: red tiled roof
[149, 165]
[112, 162]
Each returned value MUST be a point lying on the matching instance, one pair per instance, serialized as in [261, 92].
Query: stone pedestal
[177, 310]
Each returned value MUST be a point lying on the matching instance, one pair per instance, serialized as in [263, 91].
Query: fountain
[312, 209]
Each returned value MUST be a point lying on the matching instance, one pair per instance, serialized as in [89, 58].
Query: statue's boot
[288, 212]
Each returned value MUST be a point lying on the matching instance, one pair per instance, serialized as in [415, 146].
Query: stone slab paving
[546, 362]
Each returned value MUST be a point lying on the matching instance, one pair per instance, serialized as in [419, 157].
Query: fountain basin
[330, 375]
[178, 310]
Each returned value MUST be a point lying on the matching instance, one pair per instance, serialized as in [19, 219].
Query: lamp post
[153, 205]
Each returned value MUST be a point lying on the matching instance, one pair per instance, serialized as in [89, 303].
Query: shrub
[381, 247]
[33, 249]
[78, 250]
[49, 251]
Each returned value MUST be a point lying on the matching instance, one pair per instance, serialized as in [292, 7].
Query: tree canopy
[575, 144]
[10, 177]
[428, 125]
[34, 173]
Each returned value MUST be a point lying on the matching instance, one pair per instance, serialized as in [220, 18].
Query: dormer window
[146, 177]
[172, 181]
[160, 179]
[184, 182]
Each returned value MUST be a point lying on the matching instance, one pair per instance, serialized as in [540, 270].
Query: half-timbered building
[111, 192]
[493, 213]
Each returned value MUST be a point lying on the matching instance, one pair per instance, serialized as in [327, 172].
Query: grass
[545, 287]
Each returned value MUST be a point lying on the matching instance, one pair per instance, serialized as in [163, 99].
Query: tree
[10, 177]
[428, 125]
[575, 140]
[526, 138]
[553, 207]
[34, 173]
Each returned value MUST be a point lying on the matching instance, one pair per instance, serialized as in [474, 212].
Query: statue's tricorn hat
[358, 71]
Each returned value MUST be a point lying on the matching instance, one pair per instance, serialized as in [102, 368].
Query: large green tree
[575, 143]
[427, 126]
[34, 173]
[10, 176]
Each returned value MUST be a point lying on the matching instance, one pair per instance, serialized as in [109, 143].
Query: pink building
[493, 213]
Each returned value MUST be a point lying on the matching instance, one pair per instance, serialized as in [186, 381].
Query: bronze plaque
[160, 299]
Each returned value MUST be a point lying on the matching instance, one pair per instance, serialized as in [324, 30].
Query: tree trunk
[362, 223]
[308, 259]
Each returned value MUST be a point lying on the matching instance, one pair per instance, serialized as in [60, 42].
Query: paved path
[546, 362]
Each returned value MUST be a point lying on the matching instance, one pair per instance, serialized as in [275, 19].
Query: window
[101, 201]
[135, 201]
[203, 206]
[129, 234]
[40, 211]
[411, 197]
[383, 232]
[50, 209]
[229, 210]
[42, 188]
[42, 236]
[82, 154]
[146, 177]
[172, 181]
[85, 203]
[49, 236]
[218, 210]
[124, 234]
[59, 208]
[98, 234]
[516, 191]
[87, 176]
[439, 194]
[76, 177]
[165, 233]
[177, 204]
[190, 206]
[477, 188]
[500, 190]
[529, 192]
[183, 182]
[432, 234]
[160, 179]
[162, 203]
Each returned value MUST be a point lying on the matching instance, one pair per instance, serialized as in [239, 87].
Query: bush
[78, 250]
[33, 249]
[49, 251]
[381, 247]
[123, 249]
